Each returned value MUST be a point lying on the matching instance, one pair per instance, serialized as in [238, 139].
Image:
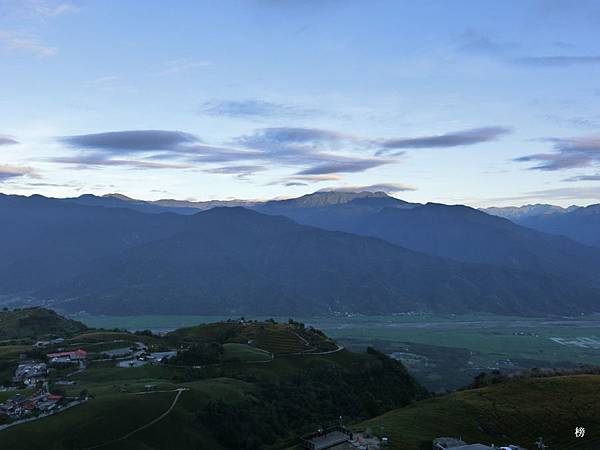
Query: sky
[472, 102]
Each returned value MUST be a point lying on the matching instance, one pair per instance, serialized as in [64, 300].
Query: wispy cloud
[131, 141]
[557, 61]
[90, 161]
[241, 172]
[182, 65]
[37, 8]
[49, 8]
[595, 177]
[454, 139]
[577, 193]
[7, 140]
[474, 42]
[389, 188]
[7, 172]
[253, 108]
[31, 44]
[314, 153]
[568, 154]
[355, 165]
[104, 80]
[304, 180]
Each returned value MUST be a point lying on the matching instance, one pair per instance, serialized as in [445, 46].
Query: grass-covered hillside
[36, 323]
[516, 412]
[232, 385]
[277, 338]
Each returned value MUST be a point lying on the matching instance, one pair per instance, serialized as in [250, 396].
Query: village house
[40, 344]
[67, 357]
[30, 372]
[20, 406]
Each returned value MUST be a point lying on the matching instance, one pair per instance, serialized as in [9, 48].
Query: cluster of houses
[31, 373]
[20, 406]
[34, 375]
[74, 356]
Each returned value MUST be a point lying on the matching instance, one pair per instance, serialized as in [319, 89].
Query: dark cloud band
[124, 142]
[7, 140]
[456, 139]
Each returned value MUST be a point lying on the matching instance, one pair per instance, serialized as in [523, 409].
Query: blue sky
[458, 102]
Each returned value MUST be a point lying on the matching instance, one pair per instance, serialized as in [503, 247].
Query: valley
[250, 384]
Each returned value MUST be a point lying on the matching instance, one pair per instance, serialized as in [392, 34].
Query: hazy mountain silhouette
[456, 232]
[225, 260]
[578, 223]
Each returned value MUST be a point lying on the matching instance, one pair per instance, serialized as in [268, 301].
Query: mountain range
[333, 253]
[581, 224]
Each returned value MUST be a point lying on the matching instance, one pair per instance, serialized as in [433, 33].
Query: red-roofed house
[75, 355]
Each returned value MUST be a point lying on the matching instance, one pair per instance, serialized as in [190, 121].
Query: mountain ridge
[235, 260]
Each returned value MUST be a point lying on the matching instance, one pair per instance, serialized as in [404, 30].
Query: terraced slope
[273, 337]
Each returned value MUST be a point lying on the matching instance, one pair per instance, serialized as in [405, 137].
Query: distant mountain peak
[521, 212]
[328, 198]
[119, 196]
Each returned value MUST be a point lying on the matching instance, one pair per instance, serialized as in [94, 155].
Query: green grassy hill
[276, 338]
[36, 323]
[515, 412]
[269, 384]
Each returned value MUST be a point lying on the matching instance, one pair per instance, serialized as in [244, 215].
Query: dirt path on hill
[143, 427]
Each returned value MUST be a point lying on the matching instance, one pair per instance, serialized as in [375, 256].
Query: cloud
[241, 172]
[219, 154]
[270, 137]
[454, 139]
[355, 165]
[315, 151]
[476, 43]
[576, 121]
[252, 108]
[182, 65]
[313, 147]
[46, 8]
[304, 180]
[379, 187]
[7, 172]
[569, 153]
[7, 140]
[315, 178]
[38, 8]
[31, 44]
[595, 177]
[568, 193]
[557, 61]
[131, 141]
[90, 161]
